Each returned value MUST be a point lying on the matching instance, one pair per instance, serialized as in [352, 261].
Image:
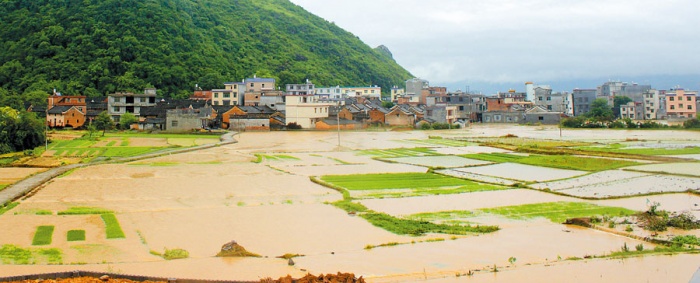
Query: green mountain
[94, 47]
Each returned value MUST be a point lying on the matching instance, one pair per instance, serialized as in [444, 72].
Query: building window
[252, 84]
[541, 118]
[687, 98]
[173, 123]
[671, 98]
[549, 98]
[540, 98]
[263, 85]
[227, 95]
[690, 107]
[673, 107]
[216, 95]
[549, 107]
[115, 109]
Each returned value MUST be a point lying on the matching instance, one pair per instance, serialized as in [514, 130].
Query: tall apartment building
[582, 99]
[651, 104]
[300, 89]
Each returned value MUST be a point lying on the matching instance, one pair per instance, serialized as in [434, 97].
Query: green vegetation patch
[419, 228]
[619, 148]
[82, 210]
[527, 142]
[129, 151]
[557, 212]
[75, 235]
[3, 186]
[275, 157]
[43, 236]
[393, 181]
[11, 254]
[7, 207]
[452, 216]
[112, 227]
[170, 254]
[556, 161]
[399, 152]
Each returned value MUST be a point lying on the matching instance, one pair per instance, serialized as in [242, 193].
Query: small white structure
[305, 110]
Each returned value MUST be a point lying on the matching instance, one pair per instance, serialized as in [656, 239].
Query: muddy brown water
[200, 200]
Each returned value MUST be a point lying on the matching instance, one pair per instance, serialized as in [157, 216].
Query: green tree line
[94, 47]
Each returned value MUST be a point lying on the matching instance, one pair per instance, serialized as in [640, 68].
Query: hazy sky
[508, 42]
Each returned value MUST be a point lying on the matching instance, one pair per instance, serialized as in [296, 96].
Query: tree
[20, 130]
[600, 111]
[621, 100]
[387, 104]
[126, 120]
[103, 122]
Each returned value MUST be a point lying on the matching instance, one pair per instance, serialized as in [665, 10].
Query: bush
[425, 126]
[616, 125]
[171, 254]
[293, 126]
[692, 124]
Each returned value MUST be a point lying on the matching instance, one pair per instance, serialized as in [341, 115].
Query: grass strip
[112, 227]
[8, 207]
[394, 181]
[419, 228]
[557, 212]
[43, 236]
[75, 235]
[82, 210]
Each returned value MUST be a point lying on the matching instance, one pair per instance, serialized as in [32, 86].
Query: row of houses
[259, 104]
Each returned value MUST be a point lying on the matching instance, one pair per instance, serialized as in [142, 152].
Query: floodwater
[200, 200]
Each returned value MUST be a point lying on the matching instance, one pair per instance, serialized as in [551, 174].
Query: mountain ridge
[97, 47]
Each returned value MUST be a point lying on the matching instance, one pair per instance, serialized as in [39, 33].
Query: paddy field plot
[476, 177]
[404, 184]
[439, 161]
[556, 161]
[647, 148]
[521, 172]
[688, 169]
[441, 142]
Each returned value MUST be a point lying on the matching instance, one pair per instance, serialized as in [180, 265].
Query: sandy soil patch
[533, 242]
[468, 150]
[12, 175]
[147, 142]
[439, 161]
[692, 169]
[369, 167]
[523, 172]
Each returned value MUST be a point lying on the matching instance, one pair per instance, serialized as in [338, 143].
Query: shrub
[692, 124]
[293, 126]
[171, 254]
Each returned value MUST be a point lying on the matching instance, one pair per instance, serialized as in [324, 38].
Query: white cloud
[521, 40]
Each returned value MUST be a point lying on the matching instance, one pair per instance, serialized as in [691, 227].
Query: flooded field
[259, 193]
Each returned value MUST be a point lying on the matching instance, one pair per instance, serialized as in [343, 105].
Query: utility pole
[337, 116]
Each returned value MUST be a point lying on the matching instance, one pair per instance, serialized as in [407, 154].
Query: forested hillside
[94, 47]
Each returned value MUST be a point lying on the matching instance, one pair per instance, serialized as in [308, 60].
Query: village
[258, 104]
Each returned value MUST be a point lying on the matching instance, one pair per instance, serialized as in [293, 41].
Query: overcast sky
[496, 43]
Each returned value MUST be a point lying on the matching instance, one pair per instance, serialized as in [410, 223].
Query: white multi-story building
[127, 102]
[300, 89]
[305, 110]
[338, 92]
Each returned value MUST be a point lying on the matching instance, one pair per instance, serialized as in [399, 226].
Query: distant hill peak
[384, 51]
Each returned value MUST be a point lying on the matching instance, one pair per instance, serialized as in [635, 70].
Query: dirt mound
[340, 278]
[85, 280]
[233, 249]
[584, 221]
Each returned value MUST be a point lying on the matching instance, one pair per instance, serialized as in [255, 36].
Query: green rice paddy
[43, 236]
[619, 148]
[112, 227]
[11, 254]
[557, 212]
[82, 210]
[394, 181]
[441, 142]
[75, 235]
[556, 161]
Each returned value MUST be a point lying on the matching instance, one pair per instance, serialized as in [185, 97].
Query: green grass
[8, 207]
[129, 151]
[75, 235]
[419, 228]
[474, 187]
[273, 157]
[81, 210]
[11, 254]
[363, 182]
[556, 161]
[162, 136]
[527, 142]
[350, 206]
[619, 148]
[442, 215]
[112, 227]
[399, 152]
[43, 236]
[3, 186]
[557, 212]
[171, 254]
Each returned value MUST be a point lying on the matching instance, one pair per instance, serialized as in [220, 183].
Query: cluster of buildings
[259, 104]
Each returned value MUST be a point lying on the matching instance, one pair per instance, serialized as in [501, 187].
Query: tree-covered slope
[94, 47]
